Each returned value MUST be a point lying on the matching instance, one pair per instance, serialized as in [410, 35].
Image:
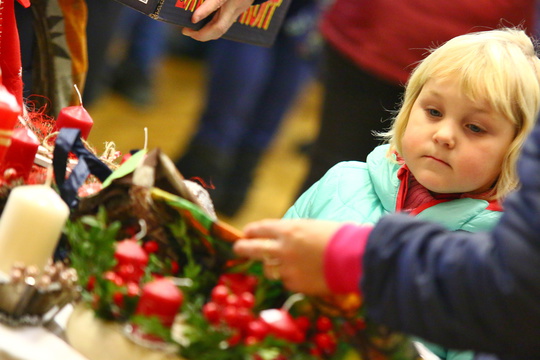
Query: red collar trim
[404, 175]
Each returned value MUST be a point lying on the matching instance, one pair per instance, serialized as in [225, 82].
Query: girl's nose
[445, 134]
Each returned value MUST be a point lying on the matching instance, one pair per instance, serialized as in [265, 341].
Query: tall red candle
[9, 112]
[75, 117]
[21, 153]
[160, 298]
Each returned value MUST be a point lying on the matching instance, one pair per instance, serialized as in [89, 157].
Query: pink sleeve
[343, 258]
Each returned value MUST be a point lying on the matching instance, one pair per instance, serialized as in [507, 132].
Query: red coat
[387, 37]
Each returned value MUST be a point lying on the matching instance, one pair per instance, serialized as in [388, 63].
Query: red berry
[114, 278]
[238, 283]
[133, 289]
[233, 300]
[325, 342]
[314, 351]
[91, 283]
[323, 324]
[298, 336]
[251, 340]
[303, 322]
[109, 275]
[257, 328]
[175, 267]
[211, 312]
[247, 300]
[151, 247]
[126, 272]
[219, 294]
[245, 316]
[230, 316]
[118, 298]
[234, 339]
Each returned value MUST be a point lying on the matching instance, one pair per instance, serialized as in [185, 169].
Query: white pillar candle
[31, 225]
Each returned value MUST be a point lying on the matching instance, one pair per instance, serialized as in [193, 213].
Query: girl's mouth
[438, 160]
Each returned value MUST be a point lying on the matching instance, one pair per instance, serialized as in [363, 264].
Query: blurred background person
[249, 91]
[101, 28]
[146, 45]
[126, 62]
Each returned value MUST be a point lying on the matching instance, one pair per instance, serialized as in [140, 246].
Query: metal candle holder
[32, 297]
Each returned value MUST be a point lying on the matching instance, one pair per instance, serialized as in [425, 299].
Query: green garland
[92, 240]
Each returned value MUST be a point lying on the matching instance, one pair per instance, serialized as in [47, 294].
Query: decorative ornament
[29, 296]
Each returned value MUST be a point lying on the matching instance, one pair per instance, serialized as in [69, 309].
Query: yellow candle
[31, 225]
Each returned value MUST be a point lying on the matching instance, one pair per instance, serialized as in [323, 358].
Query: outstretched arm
[458, 289]
[292, 250]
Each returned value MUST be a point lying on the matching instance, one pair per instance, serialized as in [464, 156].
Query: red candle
[9, 112]
[161, 298]
[281, 324]
[75, 117]
[21, 153]
[132, 260]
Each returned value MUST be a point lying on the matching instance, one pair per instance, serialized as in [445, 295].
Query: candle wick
[145, 138]
[48, 178]
[79, 94]
[22, 120]
[142, 232]
[292, 300]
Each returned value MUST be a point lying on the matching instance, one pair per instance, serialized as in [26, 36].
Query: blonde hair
[497, 66]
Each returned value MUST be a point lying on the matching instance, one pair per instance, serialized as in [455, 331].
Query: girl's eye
[434, 113]
[475, 129]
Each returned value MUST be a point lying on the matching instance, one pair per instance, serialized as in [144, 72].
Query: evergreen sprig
[92, 243]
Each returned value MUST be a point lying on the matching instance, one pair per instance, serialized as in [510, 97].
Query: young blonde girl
[452, 149]
[498, 66]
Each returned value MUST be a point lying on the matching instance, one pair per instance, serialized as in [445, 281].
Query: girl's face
[452, 144]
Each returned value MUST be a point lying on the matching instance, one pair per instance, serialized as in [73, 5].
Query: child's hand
[291, 250]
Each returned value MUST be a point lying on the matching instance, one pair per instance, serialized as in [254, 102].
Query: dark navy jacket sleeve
[458, 289]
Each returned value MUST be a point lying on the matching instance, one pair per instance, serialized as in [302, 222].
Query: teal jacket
[363, 192]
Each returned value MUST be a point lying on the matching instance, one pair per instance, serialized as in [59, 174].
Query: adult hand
[291, 250]
[227, 11]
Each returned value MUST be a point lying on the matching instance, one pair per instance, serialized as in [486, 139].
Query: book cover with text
[258, 25]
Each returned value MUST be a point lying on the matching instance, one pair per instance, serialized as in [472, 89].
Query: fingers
[269, 228]
[291, 251]
[256, 249]
[206, 9]
[226, 13]
[264, 250]
[272, 267]
[213, 30]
